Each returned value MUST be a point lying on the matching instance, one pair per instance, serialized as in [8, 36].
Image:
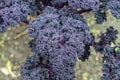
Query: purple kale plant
[60, 35]
[111, 63]
[84, 4]
[13, 12]
[58, 41]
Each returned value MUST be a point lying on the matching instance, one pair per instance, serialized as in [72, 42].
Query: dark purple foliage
[105, 39]
[111, 63]
[13, 12]
[59, 39]
[60, 35]
[74, 4]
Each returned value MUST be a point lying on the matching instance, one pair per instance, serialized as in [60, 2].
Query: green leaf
[116, 49]
[85, 76]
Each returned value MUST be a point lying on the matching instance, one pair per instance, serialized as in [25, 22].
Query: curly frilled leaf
[114, 6]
